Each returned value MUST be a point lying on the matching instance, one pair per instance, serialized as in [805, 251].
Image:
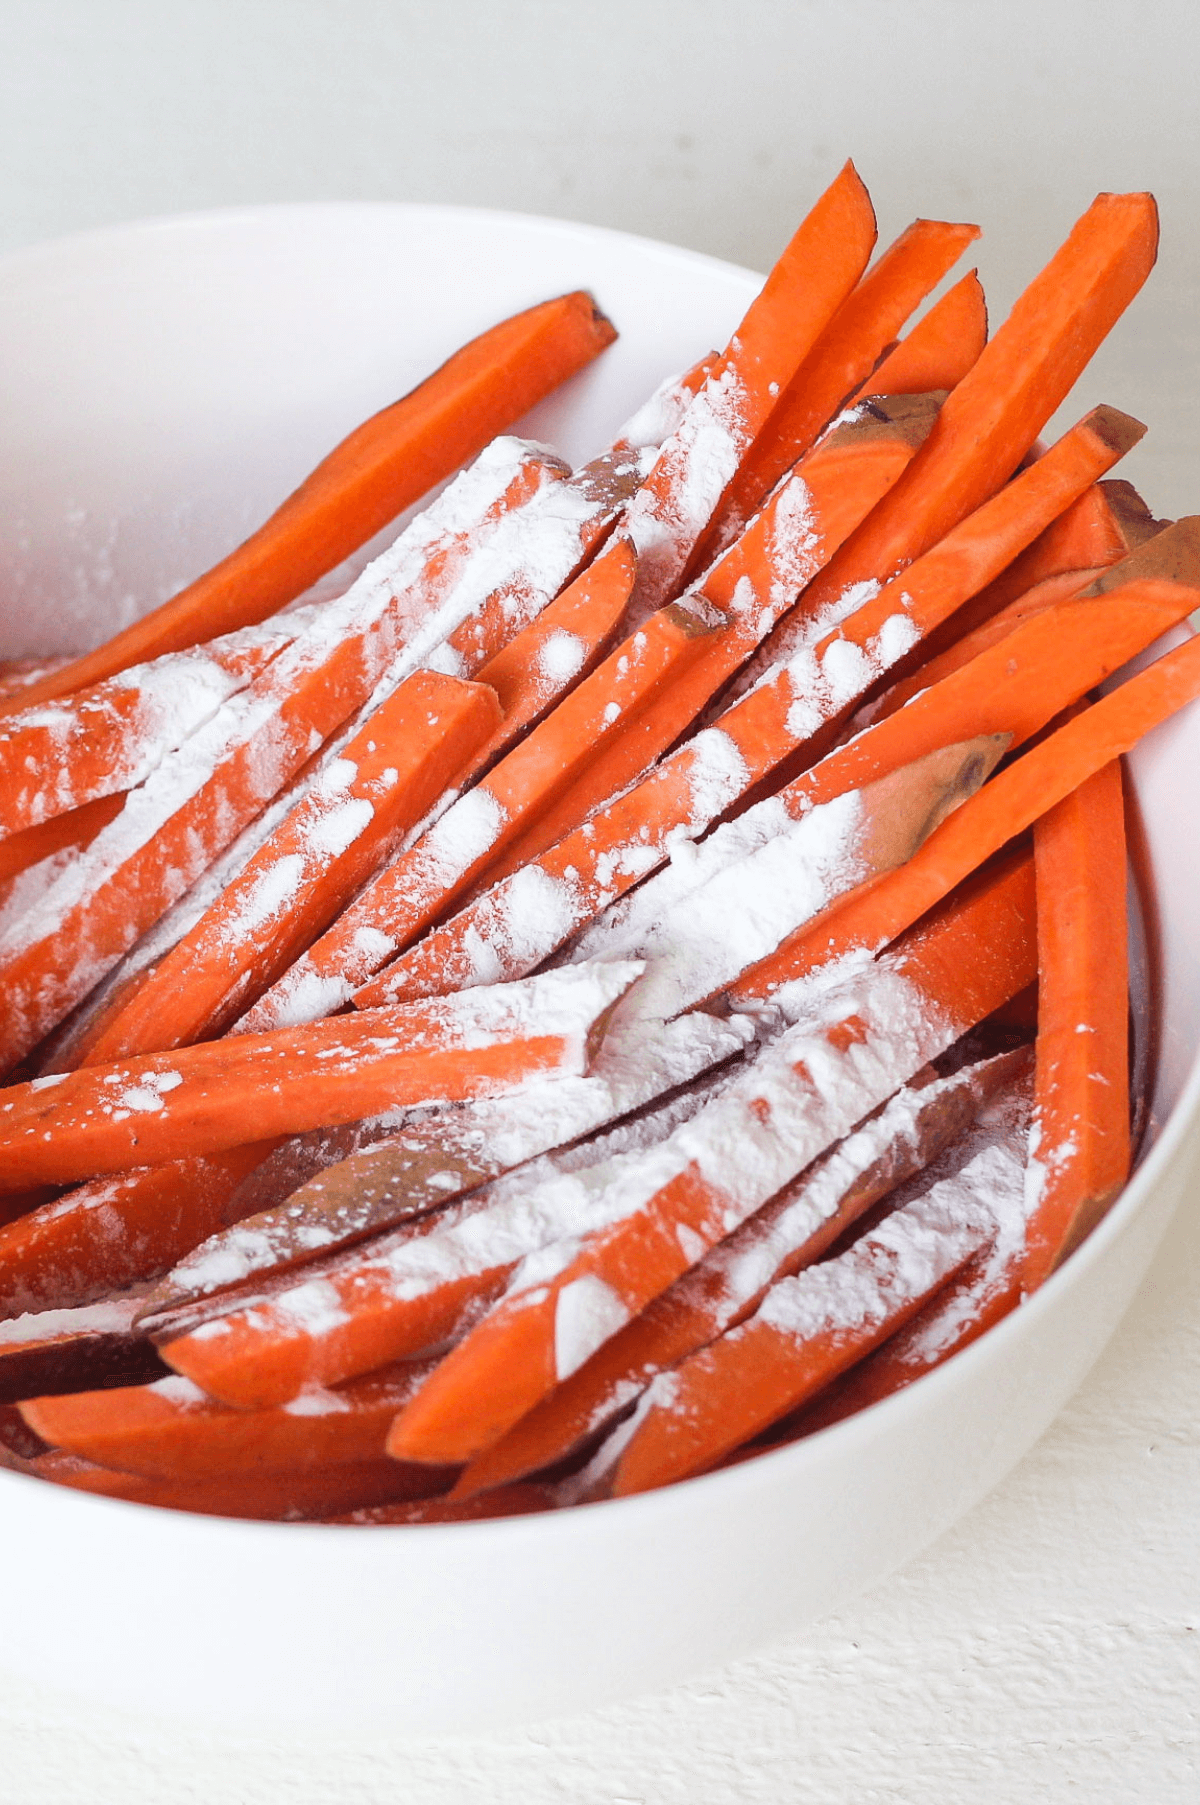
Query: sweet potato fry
[388, 776]
[55, 758]
[60, 1351]
[995, 413]
[935, 585]
[71, 831]
[1105, 524]
[787, 1234]
[810, 1328]
[170, 1430]
[1080, 1146]
[939, 350]
[313, 1494]
[814, 275]
[117, 1232]
[846, 1055]
[1003, 809]
[165, 1106]
[838, 364]
[700, 922]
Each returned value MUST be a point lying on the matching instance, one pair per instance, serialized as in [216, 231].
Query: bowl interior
[166, 384]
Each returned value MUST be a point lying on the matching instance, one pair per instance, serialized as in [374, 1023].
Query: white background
[1050, 1647]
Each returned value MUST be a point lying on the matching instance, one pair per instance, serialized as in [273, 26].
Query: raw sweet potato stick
[388, 776]
[535, 548]
[382, 468]
[788, 1233]
[939, 350]
[1003, 809]
[199, 1099]
[536, 667]
[119, 1231]
[303, 1494]
[810, 1328]
[1172, 552]
[994, 415]
[930, 590]
[1108, 522]
[562, 766]
[170, 1430]
[703, 919]
[814, 275]
[61, 833]
[845, 1056]
[1080, 1145]
[197, 799]
[74, 1350]
[842, 359]
[57, 757]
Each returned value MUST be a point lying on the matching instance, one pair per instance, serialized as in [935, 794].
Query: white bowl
[165, 385]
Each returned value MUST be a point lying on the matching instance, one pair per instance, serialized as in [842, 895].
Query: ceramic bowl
[165, 384]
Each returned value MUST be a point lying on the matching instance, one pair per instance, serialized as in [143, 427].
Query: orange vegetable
[524, 1346]
[170, 1431]
[61, 833]
[163, 1106]
[119, 1231]
[994, 415]
[314, 1494]
[841, 360]
[1011, 802]
[1080, 1146]
[939, 350]
[387, 777]
[817, 270]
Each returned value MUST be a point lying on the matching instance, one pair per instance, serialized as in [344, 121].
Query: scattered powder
[462, 837]
[313, 1306]
[1002, 1130]
[668, 515]
[741, 892]
[658, 417]
[178, 1390]
[586, 1313]
[114, 1316]
[329, 836]
[636, 1063]
[561, 656]
[911, 1252]
[316, 1401]
[268, 897]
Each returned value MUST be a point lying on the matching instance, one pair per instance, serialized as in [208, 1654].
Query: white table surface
[1049, 1647]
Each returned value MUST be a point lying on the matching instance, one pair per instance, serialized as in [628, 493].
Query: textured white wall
[1048, 1648]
